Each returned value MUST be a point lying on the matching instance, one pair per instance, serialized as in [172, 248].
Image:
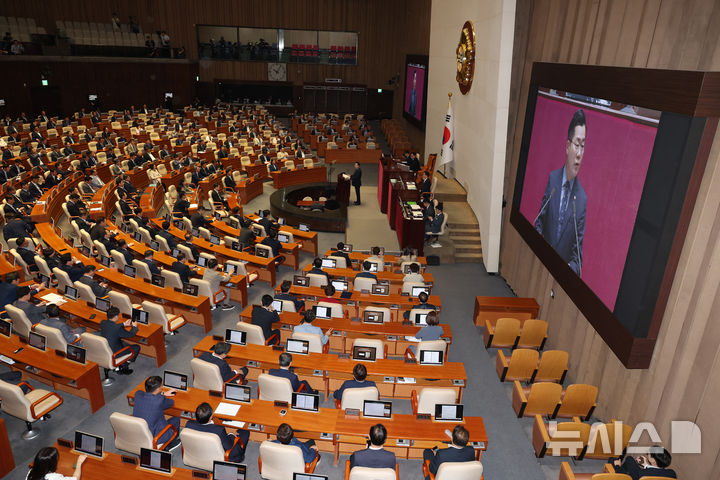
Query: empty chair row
[550, 399]
[512, 333]
[526, 365]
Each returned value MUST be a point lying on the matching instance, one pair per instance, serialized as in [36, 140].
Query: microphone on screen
[542, 209]
[577, 241]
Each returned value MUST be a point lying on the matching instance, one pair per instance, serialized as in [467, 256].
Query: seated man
[414, 275]
[35, 313]
[366, 273]
[151, 404]
[73, 268]
[169, 237]
[220, 353]
[423, 297]
[272, 242]
[99, 289]
[376, 258]
[317, 268]
[52, 319]
[374, 456]
[203, 423]
[26, 254]
[181, 269]
[285, 295]
[359, 376]
[652, 465]
[286, 436]
[338, 252]
[265, 316]
[285, 360]
[152, 265]
[458, 451]
[306, 326]
[193, 249]
[114, 333]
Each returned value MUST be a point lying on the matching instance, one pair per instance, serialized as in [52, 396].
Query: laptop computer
[303, 228]
[431, 357]
[377, 409]
[178, 381]
[364, 354]
[235, 337]
[295, 345]
[91, 445]
[452, 412]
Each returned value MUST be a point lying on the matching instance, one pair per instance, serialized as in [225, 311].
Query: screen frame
[218, 462]
[44, 341]
[690, 93]
[316, 402]
[421, 354]
[306, 343]
[186, 376]
[75, 347]
[228, 336]
[96, 437]
[153, 469]
[417, 59]
[356, 348]
[235, 385]
[461, 408]
[365, 402]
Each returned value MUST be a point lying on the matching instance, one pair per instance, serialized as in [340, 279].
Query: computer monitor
[308, 476]
[237, 246]
[452, 412]
[277, 305]
[347, 248]
[157, 280]
[154, 245]
[202, 261]
[155, 460]
[71, 292]
[377, 409]
[175, 380]
[340, 285]
[322, 312]
[190, 289]
[303, 228]
[140, 316]
[85, 250]
[308, 402]
[283, 238]
[5, 328]
[91, 445]
[195, 232]
[45, 280]
[364, 354]
[102, 304]
[37, 341]
[421, 318]
[295, 345]
[228, 471]
[105, 260]
[431, 357]
[214, 239]
[373, 317]
[230, 268]
[236, 337]
[237, 393]
[416, 290]
[260, 214]
[373, 267]
[328, 263]
[380, 289]
[123, 228]
[130, 271]
[261, 252]
[138, 237]
[75, 353]
[175, 252]
[281, 221]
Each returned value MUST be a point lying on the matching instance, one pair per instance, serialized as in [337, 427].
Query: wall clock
[277, 72]
[466, 57]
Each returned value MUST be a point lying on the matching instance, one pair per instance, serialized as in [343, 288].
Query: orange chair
[553, 367]
[521, 365]
[542, 398]
[578, 400]
[504, 334]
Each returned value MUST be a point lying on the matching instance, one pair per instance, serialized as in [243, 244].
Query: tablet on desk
[45, 280]
[347, 248]
[380, 288]
[377, 409]
[5, 328]
[309, 476]
[91, 445]
[228, 471]
[130, 271]
[36, 340]
[178, 381]
[157, 280]
[340, 285]
[190, 289]
[417, 290]
[370, 316]
[328, 263]
[235, 337]
[308, 402]
[214, 239]
[301, 281]
[237, 393]
[75, 353]
[449, 412]
[322, 312]
[155, 460]
[303, 228]
[140, 316]
[364, 354]
[295, 345]
[283, 238]
[431, 357]
[105, 260]
[154, 245]
[202, 262]
[71, 292]
[277, 305]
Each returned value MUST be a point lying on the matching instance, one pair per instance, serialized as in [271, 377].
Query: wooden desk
[151, 201]
[309, 239]
[492, 308]
[389, 260]
[289, 250]
[296, 177]
[346, 331]
[150, 337]
[111, 466]
[7, 462]
[60, 373]
[358, 301]
[395, 279]
[326, 372]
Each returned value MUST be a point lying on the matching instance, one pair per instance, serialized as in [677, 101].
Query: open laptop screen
[89, 444]
[156, 460]
[377, 409]
[228, 471]
[175, 380]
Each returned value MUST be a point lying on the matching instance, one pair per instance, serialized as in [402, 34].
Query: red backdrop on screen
[613, 170]
[419, 90]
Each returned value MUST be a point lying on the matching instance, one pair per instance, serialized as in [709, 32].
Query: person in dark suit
[34, 312]
[26, 254]
[273, 165]
[374, 456]
[99, 289]
[285, 295]
[286, 436]
[358, 381]
[317, 268]
[122, 248]
[217, 357]
[74, 269]
[426, 185]
[561, 219]
[435, 225]
[148, 260]
[217, 199]
[75, 205]
[169, 237]
[423, 299]
[198, 218]
[338, 252]
[228, 181]
[203, 423]
[181, 269]
[356, 181]
[264, 316]
[366, 273]
[298, 385]
[15, 226]
[181, 207]
[188, 243]
[413, 162]
[151, 404]
[272, 242]
[114, 333]
[652, 465]
[458, 451]
[97, 232]
[267, 222]
[52, 319]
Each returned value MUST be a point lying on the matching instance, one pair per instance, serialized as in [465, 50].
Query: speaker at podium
[342, 192]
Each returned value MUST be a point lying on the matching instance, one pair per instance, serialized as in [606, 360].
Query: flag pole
[445, 164]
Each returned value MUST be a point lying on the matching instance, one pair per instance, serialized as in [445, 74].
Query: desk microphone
[577, 241]
[552, 192]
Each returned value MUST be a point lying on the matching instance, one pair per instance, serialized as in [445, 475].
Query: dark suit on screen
[563, 240]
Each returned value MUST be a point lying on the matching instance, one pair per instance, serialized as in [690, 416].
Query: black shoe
[125, 370]
[227, 306]
[356, 203]
[243, 371]
[173, 445]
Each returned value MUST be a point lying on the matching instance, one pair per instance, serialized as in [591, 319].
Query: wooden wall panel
[673, 34]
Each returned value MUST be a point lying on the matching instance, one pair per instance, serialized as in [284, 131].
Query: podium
[342, 192]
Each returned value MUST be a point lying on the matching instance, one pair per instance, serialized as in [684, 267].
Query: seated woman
[45, 464]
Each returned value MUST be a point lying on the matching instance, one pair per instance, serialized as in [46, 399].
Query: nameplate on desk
[343, 356]
[389, 379]
[394, 306]
[478, 445]
[351, 304]
[404, 294]
[311, 298]
[459, 383]
[280, 404]
[218, 338]
[255, 426]
[391, 338]
[63, 442]
[285, 326]
[60, 353]
[252, 363]
[277, 347]
[402, 442]
[215, 393]
[337, 333]
[128, 460]
[199, 474]
[318, 373]
[352, 412]
[423, 416]
[354, 320]
[326, 436]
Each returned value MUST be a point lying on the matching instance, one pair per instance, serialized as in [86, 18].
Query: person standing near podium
[356, 181]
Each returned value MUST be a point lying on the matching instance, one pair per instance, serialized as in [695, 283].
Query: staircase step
[466, 238]
[464, 231]
[461, 249]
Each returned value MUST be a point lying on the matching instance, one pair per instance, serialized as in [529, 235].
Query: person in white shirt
[414, 275]
[307, 327]
[46, 462]
[375, 258]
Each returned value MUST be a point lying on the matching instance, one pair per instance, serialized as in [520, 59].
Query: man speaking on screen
[561, 220]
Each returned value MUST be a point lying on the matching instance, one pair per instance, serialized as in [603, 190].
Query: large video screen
[415, 95]
[584, 177]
